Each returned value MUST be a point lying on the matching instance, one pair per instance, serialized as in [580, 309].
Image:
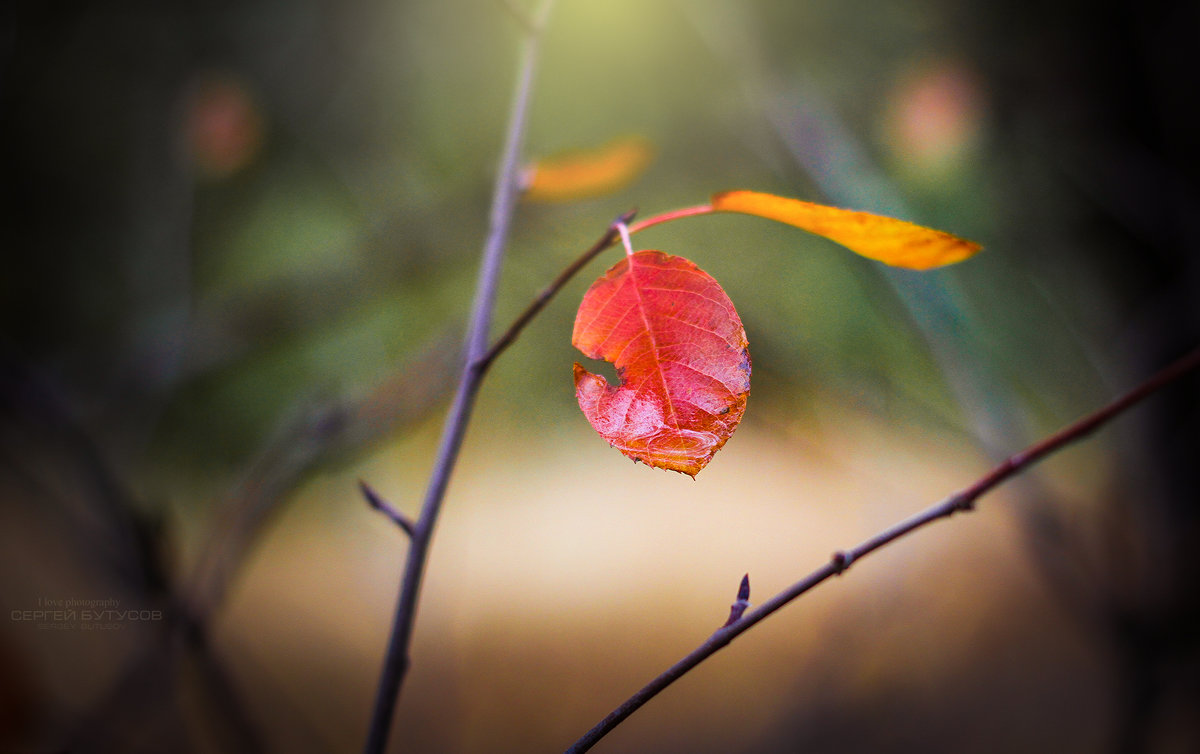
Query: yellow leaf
[585, 173]
[894, 242]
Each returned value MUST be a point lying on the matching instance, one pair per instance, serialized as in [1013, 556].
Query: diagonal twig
[964, 500]
[397, 516]
[543, 297]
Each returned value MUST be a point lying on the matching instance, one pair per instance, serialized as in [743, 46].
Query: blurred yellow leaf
[894, 242]
[581, 174]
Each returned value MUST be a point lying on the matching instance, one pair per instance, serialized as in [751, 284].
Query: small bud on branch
[743, 601]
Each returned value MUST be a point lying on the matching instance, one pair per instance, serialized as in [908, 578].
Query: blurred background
[240, 242]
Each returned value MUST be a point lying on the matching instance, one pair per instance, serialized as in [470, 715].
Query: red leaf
[681, 355]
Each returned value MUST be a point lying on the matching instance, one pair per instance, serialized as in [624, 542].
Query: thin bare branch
[539, 302]
[504, 199]
[843, 559]
[608, 239]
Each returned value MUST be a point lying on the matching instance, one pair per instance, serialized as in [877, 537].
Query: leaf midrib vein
[672, 418]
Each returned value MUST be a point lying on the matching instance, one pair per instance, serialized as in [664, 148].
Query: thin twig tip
[369, 493]
[624, 218]
[386, 508]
